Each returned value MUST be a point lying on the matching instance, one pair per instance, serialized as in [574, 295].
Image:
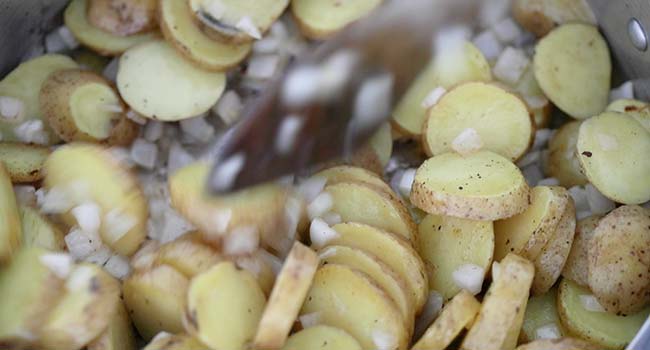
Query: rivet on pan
[637, 34]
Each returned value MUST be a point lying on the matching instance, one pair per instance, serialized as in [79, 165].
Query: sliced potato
[181, 31]
[498, 323]
[619, 260]
[24, 163]
[382, 143]
[527, 233]
[155, 299]
[601, 328]
[563, 163]
[616, 141]
[10, 228]
[480, 186]
[288, 294]
[573, 67]
[454, 317]
[501, 120]
[122, 17]
[636, 109]
[541, 16]
[90, 173]
[97, 39]
[347, 173]
[541, 311]
[445, 243]
[83, 106]
[558, 344]
[576, 267]
[217, 295]
[322, 337]
[348, 299]
[188, 255]
[166, 341]
[38, 231]
[119, 334]
[84, 311]
[321, 19]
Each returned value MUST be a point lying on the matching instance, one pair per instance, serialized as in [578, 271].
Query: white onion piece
[118, 223]
[178, 157]
[198, 128]
[110, 71]
[241, 240]
[310, 188]
[406, 182]
[590, 303]
[549, 181]
[118, 266]
[492, 11]
[266, 45]
[384, 340]
[488, 44]
[529, 158]
[154, 130]
[533, 174]
[229, 107]
[467, 142]
[433, 97]
[579, 195]
[598, 203]
[174, 226]
[429, 313]
[292, 215]
[451, 38]
[88, 216]
[511, 65]
[320, 233]
[32, 131]
[59, 263]
[136, 117]
[11, 109]
[272, 260]
[624, 91]
[81, 244]
[144, 153]
[331, 218]
[320, 205]
[262, 67]
[469, 277]
[549, 331]
[99, 256]
[541, 138]
[507, 31]
[55, 201]
[67, 37]
[246, 25]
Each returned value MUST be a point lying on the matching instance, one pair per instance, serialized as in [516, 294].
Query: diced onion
[320, 233]
[110, 71]
[533, 173]
[529, 158]
[598, 203]
[118, 223]
[541, 138]
[406, 182]
[469, 277]
[510, 65]
[549, 331]
[429, 313]
[59, 263]
[331, 218]
[55, 201]
[241, 240]
[246, 25]
[492, 11]
[590, 303]
[579, 195]
[118, 266]
[625, 91]
[11, 109]
[88, 216]
[99, 256]
[488, 44]
[81, 244]
[154, 130]
[32, 131]
[320, 205]
[311, 187]
[549, 181]
[262, 67]
[229, 107]
[178, 157]
[467, 142]
[507, 31]
[198, 128]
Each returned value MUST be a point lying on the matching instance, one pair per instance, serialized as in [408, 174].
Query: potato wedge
[576, 267]
[481, 186]
[619, 260]
[188, 255]
[181, 31]
[38, 230]
[392, 249]
[541, 311]
[348, 299]
[24, 163]
[122, 17]
[573, 67]
[322, 337]
[382, 143]
[24, 83]
[541, 16]
[616, 141]
[214, 297]
[454, 317]
[563, 163]
[83, 106]
[347, 173]
[636, 109]
[501, 120]
[83, 312]
[558, 344]
[321, 19]
[601, 328]
[445, 243]
[166, 341]
[10, 228]
[288, 294]
[119, 334]
[87, 172]
[155, 299]
[501, 315]
[103, 42]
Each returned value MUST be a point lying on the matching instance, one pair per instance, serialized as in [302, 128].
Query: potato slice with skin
[181, 31]
[23, 163]
[619, 260]
[84, 311]
[573, 67]
[155, 299]
[321, 19]
[348, 299]
[454, 317]
[119, 334]
[166, 341]
[214, 297]
[392, 249]
[563, 163]
[445, 243]
[636, 109]
[160, 84]
[541, 311]
[541, 16]
[558, 344]
[83, 106]
[10, 228]
[527, 233]
[188, 255]
[601, 328]
[480, 186]
[122, 17]
[347, 173]
[616, 141]
[95, 38]
[288, 294]
[502, 312]
[103, 180]
[500, 119]
[38, 231]
[576, 267]
[322, 337]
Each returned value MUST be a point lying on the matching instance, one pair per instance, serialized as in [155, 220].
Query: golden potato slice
[119, 334]
[95, 38]
[498, 323]
[83, 106]
[576, 267]
[24, 83]
[601, 328]
[321, 19]
[347, 173]
[573, 67]
[359, 202]
[122, 17]
[29, 289]
[454, 317]
[348, 299]
[24, 163]
[480, 186]
[445, 243]
[558, 344]
[541, 16]
[188, 255]
[155, 299]
[38, 231]
[634, 108]
[527, 233]
[619, 260]
[392, 249]
[499, 118]
[288, 294]
[166, 341]
[217, 295]
[616, 141]
[382, 143]
[322, 337]
[96, 176]
[160, 84]
[10, 228]
[90, 300]
[541, 311]
[563, 163]
[181, 31]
